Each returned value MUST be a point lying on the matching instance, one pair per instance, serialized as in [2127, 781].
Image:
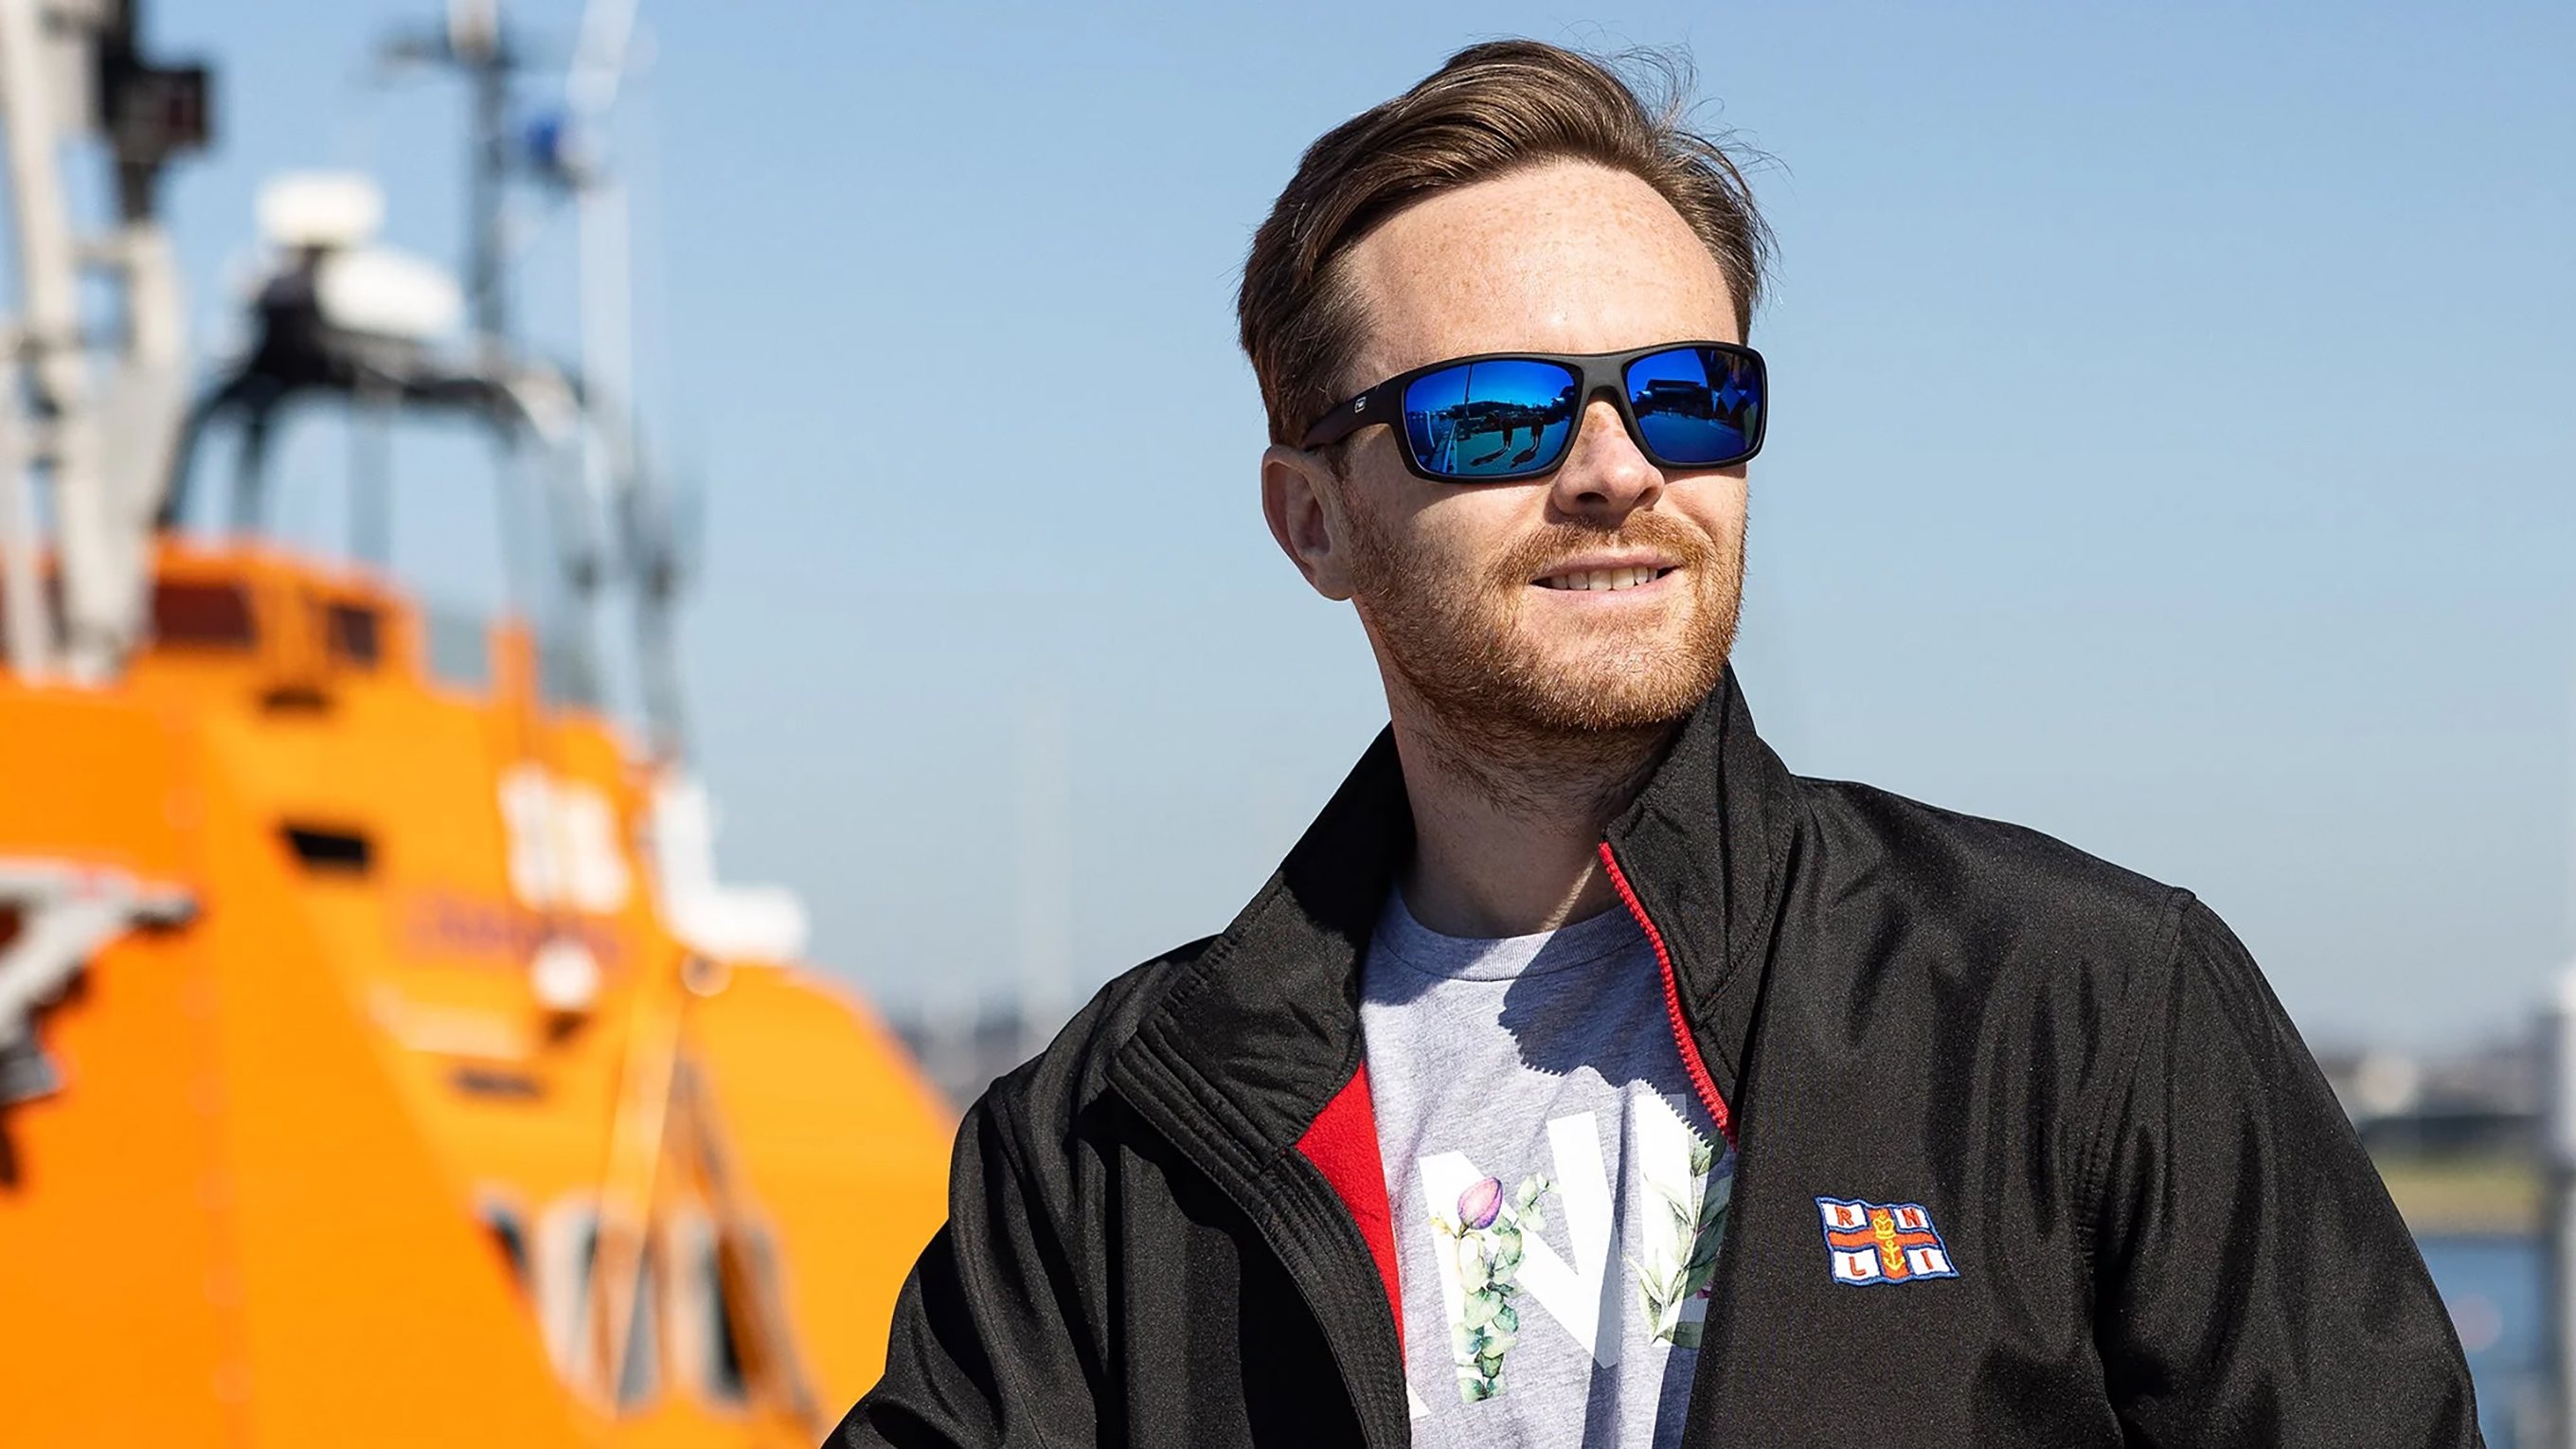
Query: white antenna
[607, 293]
[599, 58]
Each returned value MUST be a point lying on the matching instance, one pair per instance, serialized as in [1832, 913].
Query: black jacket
[1172, 1228]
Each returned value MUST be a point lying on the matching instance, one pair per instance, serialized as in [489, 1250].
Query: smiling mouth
[1602, 580]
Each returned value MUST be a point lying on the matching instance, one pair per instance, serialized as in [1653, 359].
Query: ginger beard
[1509, 703]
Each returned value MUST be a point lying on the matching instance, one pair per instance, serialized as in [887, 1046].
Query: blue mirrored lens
[1698, 407]
[1494, 419]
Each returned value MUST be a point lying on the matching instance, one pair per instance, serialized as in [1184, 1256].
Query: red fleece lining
[1691, 1063]
[1342, 1143]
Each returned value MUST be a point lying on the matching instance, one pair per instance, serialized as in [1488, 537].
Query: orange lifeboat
[374, 1086]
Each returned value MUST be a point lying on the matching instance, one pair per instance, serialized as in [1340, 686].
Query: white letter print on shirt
[1573, 1294]
[1493, 1236]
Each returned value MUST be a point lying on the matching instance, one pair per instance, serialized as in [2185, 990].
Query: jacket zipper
[1691, 1062]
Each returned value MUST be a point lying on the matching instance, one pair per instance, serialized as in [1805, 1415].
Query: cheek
[1429, 531]
[1713, 501]
[1424, 538]
[1469, 530]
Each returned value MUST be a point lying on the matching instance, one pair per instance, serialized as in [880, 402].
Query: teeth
[1599, 580]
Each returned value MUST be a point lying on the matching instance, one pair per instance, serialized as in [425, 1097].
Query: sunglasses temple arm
[1349, 417]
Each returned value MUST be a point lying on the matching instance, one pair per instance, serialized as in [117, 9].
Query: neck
[1507, 824]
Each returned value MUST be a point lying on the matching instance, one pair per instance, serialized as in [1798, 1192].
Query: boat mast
[567, 153]
[476, 47]
[48, 326]
[103, 436]
[614, 443]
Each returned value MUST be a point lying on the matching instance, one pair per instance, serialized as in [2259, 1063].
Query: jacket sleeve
[987, 1347]
[2254, 1283]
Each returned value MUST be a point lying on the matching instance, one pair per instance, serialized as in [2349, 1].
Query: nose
[1604, 476]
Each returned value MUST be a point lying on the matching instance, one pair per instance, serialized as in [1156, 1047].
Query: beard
[1521, 716]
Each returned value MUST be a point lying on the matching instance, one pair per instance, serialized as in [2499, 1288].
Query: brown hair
[1492, 109]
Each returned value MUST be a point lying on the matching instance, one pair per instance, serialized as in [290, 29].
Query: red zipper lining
[1698, 1069]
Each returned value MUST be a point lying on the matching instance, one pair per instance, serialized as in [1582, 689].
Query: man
[1583, 1076]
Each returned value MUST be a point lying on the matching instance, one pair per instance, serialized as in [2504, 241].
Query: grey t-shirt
[1558, 1189]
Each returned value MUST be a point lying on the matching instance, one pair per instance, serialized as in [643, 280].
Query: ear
[1299, 498]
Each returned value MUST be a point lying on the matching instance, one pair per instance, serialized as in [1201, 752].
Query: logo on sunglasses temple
[1360, 403]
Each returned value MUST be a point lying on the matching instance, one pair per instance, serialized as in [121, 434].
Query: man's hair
[1492, 109]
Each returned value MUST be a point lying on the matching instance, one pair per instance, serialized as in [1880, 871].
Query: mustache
[1537, 554]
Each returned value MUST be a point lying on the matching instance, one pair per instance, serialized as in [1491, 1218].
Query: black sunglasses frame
[1384, 403]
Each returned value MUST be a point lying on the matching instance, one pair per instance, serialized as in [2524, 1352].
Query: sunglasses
[1504, 416]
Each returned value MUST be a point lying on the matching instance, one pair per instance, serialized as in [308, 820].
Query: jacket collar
[1262, 1029]
[1706, 846]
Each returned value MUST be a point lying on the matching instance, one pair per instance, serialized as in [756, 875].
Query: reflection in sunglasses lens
[1494, 419]
[1698, 407]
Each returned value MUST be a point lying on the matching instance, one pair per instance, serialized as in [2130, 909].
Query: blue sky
[2169, 447]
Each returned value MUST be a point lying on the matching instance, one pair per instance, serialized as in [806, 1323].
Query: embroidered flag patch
[1871, 1242]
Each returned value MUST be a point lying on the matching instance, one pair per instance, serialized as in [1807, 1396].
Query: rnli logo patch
[1870, 1242]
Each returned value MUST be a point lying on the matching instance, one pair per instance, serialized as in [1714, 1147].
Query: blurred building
[2486, 1099]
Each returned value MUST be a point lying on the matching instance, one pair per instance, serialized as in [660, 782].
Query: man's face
[1488, 600]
